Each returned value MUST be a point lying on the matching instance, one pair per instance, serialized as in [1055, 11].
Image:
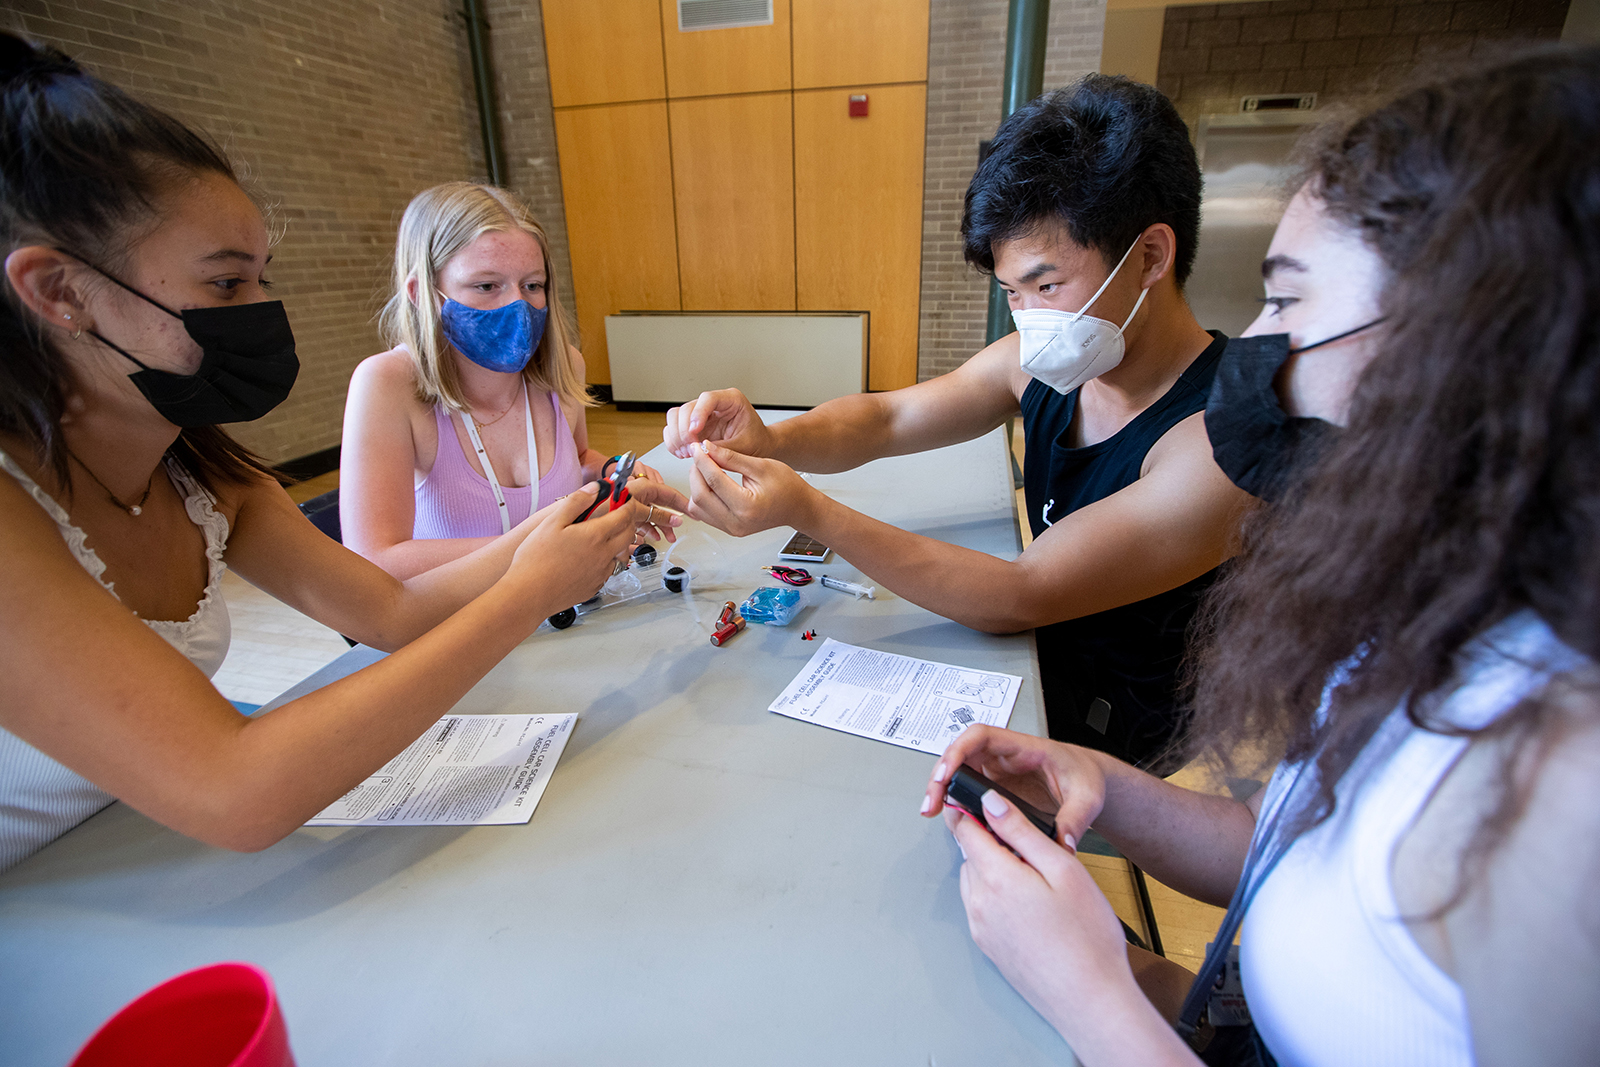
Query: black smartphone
[966, 790]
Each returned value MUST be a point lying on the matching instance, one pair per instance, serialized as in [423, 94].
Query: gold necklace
[135, 510]
[497, 418]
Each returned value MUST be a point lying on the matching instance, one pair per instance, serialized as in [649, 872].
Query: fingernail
[927, 802]
[995, 806]
[939, 772]
[1067, 840]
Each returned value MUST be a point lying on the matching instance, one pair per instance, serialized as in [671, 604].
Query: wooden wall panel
[852, 42]
[858, 213]
[749, 59]
[616, 182]
[602, 53]
[733, 171]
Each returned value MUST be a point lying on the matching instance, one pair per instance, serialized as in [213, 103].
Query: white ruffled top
[39, 798]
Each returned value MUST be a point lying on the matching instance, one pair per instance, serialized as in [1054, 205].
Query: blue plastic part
[771, 606]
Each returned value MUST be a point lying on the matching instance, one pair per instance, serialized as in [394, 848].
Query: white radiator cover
[779, 360]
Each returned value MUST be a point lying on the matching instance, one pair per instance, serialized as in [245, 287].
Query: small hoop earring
[76, 333]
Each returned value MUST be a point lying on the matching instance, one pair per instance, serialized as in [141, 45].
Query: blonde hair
[438, 224]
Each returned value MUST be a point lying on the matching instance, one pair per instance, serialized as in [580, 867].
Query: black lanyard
[1267, 847]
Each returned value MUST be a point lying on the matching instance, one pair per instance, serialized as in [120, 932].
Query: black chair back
[323, 511]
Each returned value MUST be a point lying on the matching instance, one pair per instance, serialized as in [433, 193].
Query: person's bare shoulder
[998, 366]
[1185, 445]
[390, 374]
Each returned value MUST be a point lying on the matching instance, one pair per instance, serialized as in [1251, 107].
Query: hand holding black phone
[966, 790]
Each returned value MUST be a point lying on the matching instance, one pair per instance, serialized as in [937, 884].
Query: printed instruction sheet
[466, 770]
[915, 703]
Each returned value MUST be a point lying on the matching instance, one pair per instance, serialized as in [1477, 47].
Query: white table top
[703, 882]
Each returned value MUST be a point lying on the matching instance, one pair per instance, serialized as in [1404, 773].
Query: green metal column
[1027, 27]
[483, 82]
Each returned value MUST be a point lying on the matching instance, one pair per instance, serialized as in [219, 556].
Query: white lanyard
[488, 468]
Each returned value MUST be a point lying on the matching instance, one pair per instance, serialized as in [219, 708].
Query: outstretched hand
[772, 494]
[724, 417]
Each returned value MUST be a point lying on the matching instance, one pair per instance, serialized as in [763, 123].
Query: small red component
[858, 106]
[728, 630]
[729, 623]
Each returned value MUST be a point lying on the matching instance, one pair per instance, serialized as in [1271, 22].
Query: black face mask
[247, 369]
[1258, 446]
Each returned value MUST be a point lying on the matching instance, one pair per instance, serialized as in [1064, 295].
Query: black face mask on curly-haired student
[248, 365]
[1259, 446]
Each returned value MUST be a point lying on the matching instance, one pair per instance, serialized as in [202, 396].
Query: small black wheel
[644, 555]
[563, 619]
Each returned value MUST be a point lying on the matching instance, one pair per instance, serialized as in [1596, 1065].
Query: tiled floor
[275, 646]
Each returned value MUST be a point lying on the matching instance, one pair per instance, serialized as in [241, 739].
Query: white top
[1331, 973]
[39, 798]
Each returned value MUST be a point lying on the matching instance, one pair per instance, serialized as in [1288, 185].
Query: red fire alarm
[858, 106]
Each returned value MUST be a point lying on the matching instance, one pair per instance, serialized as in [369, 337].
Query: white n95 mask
[1063, 350]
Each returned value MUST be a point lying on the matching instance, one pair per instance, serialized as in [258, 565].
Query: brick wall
[966, 60]
[340, 113]
[1213, 54]
[527, 123]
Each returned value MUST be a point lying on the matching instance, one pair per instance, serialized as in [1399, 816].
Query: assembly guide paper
[916, 703]
[467, 770]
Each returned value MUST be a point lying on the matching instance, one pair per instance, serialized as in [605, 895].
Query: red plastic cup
[224, 1015]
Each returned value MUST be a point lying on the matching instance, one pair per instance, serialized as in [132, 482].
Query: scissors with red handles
[614, 475]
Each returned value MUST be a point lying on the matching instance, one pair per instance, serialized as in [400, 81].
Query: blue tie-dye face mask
[501, 340]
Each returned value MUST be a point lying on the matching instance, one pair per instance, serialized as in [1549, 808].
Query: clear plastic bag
[773, 605]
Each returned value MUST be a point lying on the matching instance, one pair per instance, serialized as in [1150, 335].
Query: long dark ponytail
[82, 164]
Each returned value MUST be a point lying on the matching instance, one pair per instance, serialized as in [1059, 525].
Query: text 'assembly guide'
[914, 703]
[466, 770]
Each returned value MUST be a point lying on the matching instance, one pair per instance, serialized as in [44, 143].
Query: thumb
[1008, 824]
[729, 460]
[564, 512]
[1079, 809]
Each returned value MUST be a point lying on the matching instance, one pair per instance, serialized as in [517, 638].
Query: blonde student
[474, 419]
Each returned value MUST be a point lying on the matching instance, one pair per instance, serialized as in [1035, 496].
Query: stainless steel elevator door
[1246, 168]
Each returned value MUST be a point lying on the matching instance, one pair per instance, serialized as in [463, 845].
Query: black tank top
[1127, 657]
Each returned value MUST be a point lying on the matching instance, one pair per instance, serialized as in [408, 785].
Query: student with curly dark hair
[134, 318]
[1414, 629]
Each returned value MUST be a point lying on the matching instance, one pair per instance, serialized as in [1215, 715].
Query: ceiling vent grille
[1278, 102]
[723, 14]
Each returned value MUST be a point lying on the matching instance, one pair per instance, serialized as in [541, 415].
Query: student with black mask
[1086, 210]
[133, 319]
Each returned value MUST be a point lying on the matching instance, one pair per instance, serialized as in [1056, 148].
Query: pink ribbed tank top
[456, 501]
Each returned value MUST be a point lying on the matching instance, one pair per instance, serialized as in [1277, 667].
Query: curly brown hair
[1467, 484]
